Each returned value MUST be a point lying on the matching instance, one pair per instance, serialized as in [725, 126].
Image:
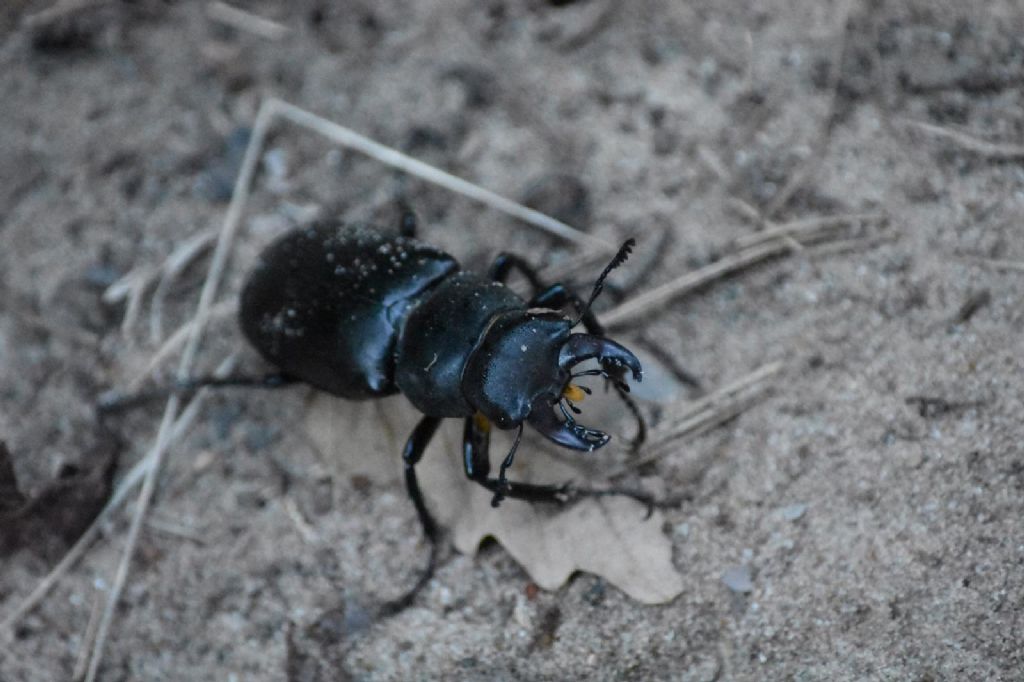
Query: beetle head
[522, 369]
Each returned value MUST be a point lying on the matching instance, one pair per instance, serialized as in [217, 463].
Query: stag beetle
[362, 315]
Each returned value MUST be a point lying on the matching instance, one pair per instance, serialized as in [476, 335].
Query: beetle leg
[505, 464]
[552, 296]
[506, 262]
[476, 438]
[476, 442]
[115, 401]
[413, 452]
[406, 221]
[475, 446]
[641, 423]
[558, 296]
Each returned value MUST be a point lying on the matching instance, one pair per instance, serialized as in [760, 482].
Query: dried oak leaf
[608, 536]
[50, 520]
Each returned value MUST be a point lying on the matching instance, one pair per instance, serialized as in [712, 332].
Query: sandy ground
[882, 536]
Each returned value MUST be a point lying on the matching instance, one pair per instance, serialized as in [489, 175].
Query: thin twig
[232, 221]
[692, 280]
[57, 11]
[809, 229]
[133, 285]
[992, 150]
[705, 414]
[846, 245]
[779, 240]
[174, 265]
[246, 21]
[176, 341]
[307, 532]
[994, 263]
[87, 639]
[391, 157]
[713, 162]
[176, 530]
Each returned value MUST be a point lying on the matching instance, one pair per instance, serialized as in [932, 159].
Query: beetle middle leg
[411, 455]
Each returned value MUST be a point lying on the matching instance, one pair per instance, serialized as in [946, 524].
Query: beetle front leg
[476, 462]
[552, 296]
[506, 262]
[406, 221]
[475, 445]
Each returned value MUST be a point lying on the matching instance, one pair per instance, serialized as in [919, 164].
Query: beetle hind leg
[114, 401]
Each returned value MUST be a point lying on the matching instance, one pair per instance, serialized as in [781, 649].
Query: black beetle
[362, 315]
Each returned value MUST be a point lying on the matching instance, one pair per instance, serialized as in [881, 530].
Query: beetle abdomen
[325, 303]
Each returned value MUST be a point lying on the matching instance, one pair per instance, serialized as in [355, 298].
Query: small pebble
[794, 511]
[738, 579]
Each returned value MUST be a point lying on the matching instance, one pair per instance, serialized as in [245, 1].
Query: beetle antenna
[618, 260]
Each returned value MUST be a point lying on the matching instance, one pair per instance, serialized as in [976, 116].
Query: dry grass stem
[847, 245]
[82, 660]
[992, 150]
[776, 241]
[173, 266]
[175, 341]
[246, 21]
[994, 263]
[692, 280]
[309, 535]
[176, 530]
[57, 11]
[232, 222]
[391, 157]
[807, 230]
[135, 283]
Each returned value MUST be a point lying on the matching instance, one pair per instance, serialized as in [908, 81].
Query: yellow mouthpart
[482, 423]
[574, 393]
